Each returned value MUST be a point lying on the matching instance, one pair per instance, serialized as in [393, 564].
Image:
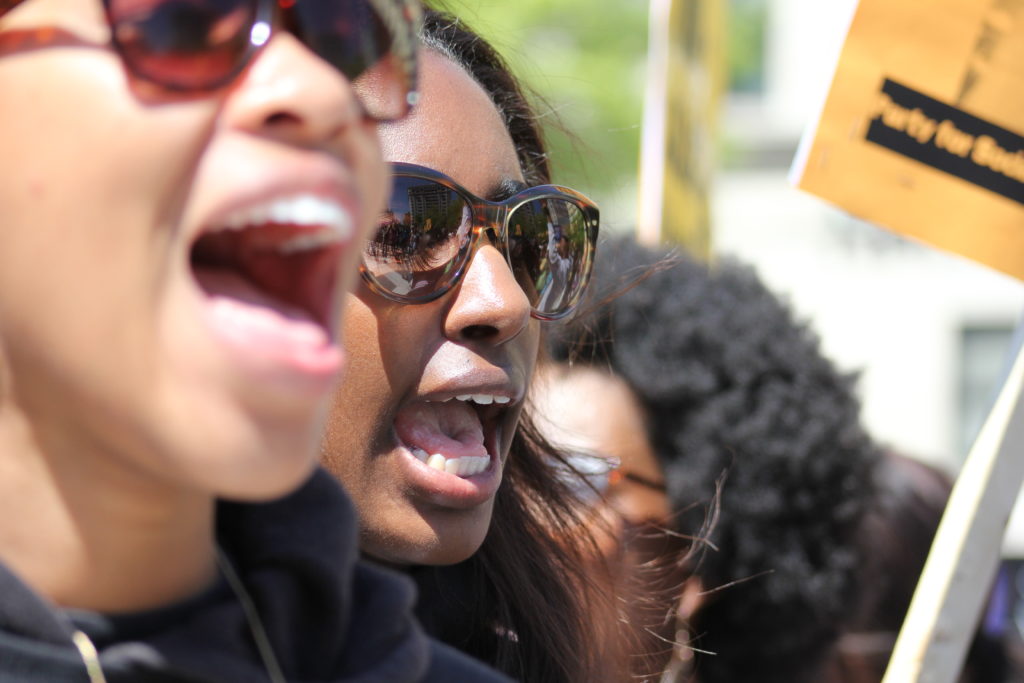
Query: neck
[92, 532]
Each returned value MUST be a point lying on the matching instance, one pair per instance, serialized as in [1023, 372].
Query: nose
[290, 94]
[488, 305]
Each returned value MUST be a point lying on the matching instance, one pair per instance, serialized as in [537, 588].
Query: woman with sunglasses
[427, 431]
[428, 428]
[186, 187]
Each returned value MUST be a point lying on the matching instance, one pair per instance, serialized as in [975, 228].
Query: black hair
[739, 396]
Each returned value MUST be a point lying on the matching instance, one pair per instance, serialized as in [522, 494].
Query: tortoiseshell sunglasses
[202, 45]
[426, 236]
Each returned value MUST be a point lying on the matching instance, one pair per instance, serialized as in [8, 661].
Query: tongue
[251, 317]
[284, 264]
[302, 279]
[222, 283]
[452, 429]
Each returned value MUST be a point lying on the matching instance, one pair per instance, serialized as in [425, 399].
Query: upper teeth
[300, 209]
[308, 242]
[483, 399]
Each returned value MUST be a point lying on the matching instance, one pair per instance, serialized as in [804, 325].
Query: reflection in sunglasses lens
[547, 239]
[365, 40]
[422, 234]
[586, 474]
[351, 42]
[423, 242]
[202, 44]
[182, 43]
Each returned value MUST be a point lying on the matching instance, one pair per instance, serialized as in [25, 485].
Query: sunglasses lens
[586, 474]
[550, 252]
[372, 42]
[202, 44]
[183, 44]
[422, 240]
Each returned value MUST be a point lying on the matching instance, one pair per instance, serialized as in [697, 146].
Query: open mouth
[282, 255]
[457, 436]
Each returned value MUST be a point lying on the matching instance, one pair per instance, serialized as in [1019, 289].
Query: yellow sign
[923, 128]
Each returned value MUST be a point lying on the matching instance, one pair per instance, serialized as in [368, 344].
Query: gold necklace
[91, 658]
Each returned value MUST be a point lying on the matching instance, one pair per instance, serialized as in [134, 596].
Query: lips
[268, 271]
[452, 436]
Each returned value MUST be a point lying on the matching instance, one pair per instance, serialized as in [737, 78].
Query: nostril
[476, 332]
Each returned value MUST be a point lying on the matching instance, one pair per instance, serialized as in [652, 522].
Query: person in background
[187, 187]
[908, 502]
[593, 416]
[760, 447]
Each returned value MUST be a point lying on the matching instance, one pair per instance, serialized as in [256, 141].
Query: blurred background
[929, 333]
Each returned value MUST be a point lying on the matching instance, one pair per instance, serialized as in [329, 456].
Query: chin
[242, 457]
[442, 538]
[272, 474]
[452, 554]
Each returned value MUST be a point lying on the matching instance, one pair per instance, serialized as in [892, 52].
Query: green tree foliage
[586, 60]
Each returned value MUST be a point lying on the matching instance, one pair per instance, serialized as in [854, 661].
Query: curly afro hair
[739, 397]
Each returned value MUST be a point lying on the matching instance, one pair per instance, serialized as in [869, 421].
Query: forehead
[455, 129]
[592, 410]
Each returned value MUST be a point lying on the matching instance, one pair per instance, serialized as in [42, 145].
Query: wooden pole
[685, 75]
[962, 564]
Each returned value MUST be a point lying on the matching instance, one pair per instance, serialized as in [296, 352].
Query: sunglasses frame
[265, 14]
[492, 217]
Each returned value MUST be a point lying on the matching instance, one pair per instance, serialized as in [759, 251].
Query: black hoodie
[328, 616]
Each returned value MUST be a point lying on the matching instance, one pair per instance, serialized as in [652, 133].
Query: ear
[691, 599]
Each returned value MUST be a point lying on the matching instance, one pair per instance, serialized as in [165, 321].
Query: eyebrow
[506, 188]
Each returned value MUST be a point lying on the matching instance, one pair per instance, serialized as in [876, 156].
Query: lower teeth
[462, 467]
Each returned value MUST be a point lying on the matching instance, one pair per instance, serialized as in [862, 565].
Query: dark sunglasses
[426, 235]
[201, 45]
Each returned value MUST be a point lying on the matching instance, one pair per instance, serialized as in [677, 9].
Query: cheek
[527, 352]
[93, 213]
[382, 365]
[362, 392]
[131, 153]
[510, 431]
[533, 335]
[388, 344]
[98, 207]
[374, 181]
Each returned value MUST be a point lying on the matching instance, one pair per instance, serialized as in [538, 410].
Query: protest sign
[923, 128]
[922, 132]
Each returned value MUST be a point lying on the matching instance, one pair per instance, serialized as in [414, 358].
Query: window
[984, 362]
